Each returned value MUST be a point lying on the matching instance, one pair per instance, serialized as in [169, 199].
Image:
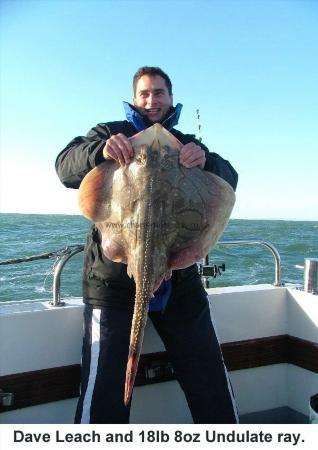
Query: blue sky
[249, 66]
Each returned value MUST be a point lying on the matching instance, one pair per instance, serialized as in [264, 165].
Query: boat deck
[269, 338]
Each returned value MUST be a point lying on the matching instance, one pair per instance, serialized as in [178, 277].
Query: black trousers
[187, 332]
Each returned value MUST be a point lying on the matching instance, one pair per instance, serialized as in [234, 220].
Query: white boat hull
[34, 336]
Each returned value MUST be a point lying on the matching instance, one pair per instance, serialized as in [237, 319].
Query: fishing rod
[199, 126]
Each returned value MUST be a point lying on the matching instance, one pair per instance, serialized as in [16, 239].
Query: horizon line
[231, 218]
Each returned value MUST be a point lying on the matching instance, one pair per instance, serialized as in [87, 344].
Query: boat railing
[57, 272]
[236, 242]
[205, 266]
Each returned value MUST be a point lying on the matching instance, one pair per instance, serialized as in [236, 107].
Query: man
[179, 310]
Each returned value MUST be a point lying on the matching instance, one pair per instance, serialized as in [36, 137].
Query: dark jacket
[106, 282]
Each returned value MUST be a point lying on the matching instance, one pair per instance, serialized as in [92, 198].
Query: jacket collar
[141, 123]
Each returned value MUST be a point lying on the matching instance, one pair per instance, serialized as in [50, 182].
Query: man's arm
[85, 152]
[81, 155]
[216, 164]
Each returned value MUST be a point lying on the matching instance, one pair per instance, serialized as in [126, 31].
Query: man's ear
[134, 101]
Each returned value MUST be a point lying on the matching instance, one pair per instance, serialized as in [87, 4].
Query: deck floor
[284, 415]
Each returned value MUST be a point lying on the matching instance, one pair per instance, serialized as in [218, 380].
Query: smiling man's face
[152, 98]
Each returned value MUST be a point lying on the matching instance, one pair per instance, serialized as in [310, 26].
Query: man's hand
[192, 155]
[118, 147]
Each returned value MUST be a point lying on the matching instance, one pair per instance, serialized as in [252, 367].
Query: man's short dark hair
[152, 71]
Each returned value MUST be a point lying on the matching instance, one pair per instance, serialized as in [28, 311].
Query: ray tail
[131, 372]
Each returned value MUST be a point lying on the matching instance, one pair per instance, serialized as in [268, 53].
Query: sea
[25, 235]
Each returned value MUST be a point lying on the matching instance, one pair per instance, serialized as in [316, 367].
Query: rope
[35, 257]
[27, 258]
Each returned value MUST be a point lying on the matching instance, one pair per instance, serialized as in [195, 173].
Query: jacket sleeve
[216, 164]
[81, 155]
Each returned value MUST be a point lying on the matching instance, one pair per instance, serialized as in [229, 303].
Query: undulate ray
[154, 215]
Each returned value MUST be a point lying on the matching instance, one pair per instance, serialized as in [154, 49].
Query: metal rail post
[57, 274]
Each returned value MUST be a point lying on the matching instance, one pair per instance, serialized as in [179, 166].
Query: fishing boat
[268, 334]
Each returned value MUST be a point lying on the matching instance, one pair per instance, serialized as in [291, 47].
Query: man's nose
[151, 99]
